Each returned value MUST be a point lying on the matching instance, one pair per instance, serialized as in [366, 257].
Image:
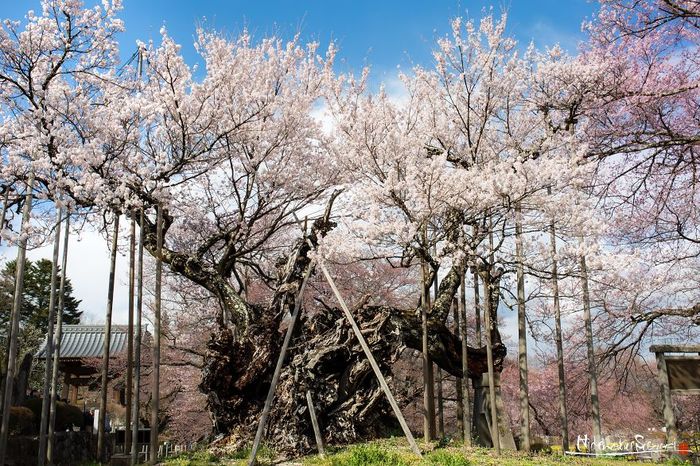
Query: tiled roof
[87, 341]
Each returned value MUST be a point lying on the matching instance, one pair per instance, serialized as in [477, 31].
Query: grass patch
[396, 452]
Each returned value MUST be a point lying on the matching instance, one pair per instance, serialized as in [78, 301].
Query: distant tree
[37, 291]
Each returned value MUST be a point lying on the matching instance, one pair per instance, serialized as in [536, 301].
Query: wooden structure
[679, 372]
[79, 344]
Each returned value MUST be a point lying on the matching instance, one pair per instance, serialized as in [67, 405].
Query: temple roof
[87, 341]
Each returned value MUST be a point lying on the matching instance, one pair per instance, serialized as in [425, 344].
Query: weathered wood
[675, 349]
[428, 377]
[314, 423]
[155, 365]
[5, 203]
[14, 319]
[57, 344]
[477, 308]
[372, 361]
[101, 440]
[278, 368]
[669, 417]
[137, 350]
[563, 416]
[522, 335]
[130, 340]
[45, 408]
[592, 370]
[438, 376]
[495, 434]
[458, 381]
[464, 380]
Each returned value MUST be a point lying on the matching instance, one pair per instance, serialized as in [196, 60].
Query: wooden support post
[454, 308]
[7, 353]
[278, 368]
[102, 416]
[48, 351]
[5, 202]
[314, 424]
[522, 335]
[477, 308]
[592, 371]
[57, 343]
[428, 378]
[372, 361]
[669, 417]
[464, 381]
[155, 388]
[563, 417]
[438, 374]
[137, 349]
[495, 428]
[130, 339]
[14, 319]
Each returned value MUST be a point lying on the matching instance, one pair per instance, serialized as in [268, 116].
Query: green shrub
[21, 420]
[447, 458]
[67, 415]
[368, 455]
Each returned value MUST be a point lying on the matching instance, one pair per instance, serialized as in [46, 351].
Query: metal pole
[107, 341]
[48, 351]
[57, 342]
[14, 319]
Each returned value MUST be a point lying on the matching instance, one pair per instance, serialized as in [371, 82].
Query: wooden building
[80, 361]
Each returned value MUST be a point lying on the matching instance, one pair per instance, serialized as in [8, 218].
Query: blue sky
[384, 34]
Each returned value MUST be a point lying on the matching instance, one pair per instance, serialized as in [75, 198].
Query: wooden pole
[428, 378]
[464, 381]
[454, 308]
[372, 361]
[137, 349]
[5, 202]
[57, 343]
[14, 319]
[278, 368]
[477, 307]
[101, 440]
[314, 423]
[45, 405]
[7, 352]
[592, 377]
[522, 334]
[669, 417]
[495, 431]
[563, 417]
[155, 390]
[130, 339]
[440, 406]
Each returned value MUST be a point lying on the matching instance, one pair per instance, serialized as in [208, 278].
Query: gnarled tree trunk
[324, 356]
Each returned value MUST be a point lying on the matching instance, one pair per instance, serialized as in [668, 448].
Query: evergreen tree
[37, 292]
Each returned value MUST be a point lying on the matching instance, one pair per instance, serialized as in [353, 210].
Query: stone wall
[71, 448]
